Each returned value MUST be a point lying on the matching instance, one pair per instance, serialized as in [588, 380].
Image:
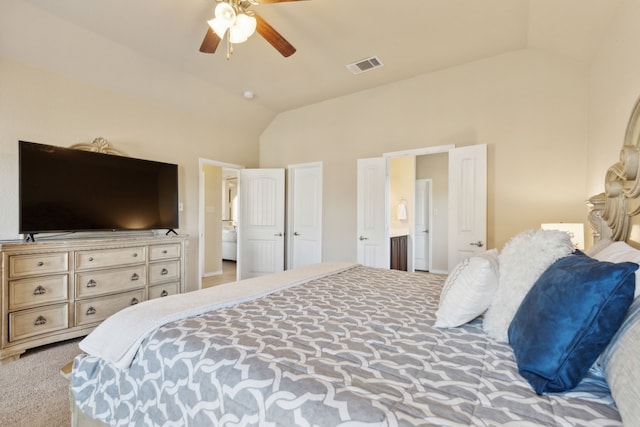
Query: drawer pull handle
[164, 293]
[92, 284]
[90, 258]
[40, 263]
[134, 301]
[164, 272]
[135, 254]
[165, 251]
[91, 311]
[135, 277]
[39, 290]
[40, 321]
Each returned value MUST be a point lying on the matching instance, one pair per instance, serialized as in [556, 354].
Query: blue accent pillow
[568, 318]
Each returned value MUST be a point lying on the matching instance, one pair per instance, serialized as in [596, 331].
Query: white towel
[117, 338]
[402, 211]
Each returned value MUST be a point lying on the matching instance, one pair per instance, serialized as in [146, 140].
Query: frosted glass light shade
[243, 28]
[226, 13]
[246, 23]
[225, 17]
[218, 27]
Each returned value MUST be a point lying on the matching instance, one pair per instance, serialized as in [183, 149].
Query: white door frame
[414, 152]
[201, 214]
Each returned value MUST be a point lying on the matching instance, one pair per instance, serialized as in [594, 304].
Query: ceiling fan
[234, 22]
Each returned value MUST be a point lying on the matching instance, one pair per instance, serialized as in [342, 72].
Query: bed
[538, 334]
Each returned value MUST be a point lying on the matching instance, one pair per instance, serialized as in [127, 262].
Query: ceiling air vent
[365, 65]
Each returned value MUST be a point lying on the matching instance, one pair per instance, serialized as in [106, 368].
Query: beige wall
[534, 111]
[401, 187]
[529, 107]
[45, 107]
[614, 87]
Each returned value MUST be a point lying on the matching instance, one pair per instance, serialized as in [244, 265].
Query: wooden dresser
[57, 290]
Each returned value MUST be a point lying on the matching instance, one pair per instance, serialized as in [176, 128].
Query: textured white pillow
[621, 252]
[522, 260]
[468, 290]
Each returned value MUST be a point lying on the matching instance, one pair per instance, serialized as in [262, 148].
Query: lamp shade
[218, 26]
[575, 231]
[226, 13]
[225, 17]
[246, 23]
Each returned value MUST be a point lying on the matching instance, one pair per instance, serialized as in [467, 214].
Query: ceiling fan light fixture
[236, 35]
[218, 26]
[225, 13]
[246, 24]
[234, 23]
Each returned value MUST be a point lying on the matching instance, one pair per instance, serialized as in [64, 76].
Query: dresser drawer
[27, 323]
[98, 309]
[159, 291]
[164, 272]
[25, 293]
[29, 265]
[110, 257]
[159, 252]
[100, 282]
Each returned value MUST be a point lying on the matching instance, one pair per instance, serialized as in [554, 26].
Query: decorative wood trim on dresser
[56, 290]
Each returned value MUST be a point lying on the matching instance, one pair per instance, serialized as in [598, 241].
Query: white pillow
[621, 252]
[522, 260]
[468, 290]
[621, 366]
[598, 246]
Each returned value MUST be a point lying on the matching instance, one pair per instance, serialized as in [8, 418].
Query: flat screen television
[68, 190]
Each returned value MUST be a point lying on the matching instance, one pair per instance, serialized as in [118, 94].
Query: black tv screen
[63, 189]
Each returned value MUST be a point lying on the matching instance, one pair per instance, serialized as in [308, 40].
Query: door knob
[295, 233]
[278, 234]
[364, 238]
[426, 231]
[478, 243]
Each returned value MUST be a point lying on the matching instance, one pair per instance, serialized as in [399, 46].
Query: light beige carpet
[33, 393]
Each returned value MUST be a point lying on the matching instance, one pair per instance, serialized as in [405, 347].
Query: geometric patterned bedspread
[355, 348]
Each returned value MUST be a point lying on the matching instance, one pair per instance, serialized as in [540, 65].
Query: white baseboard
[214, 273]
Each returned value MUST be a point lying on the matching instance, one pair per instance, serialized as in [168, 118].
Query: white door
[373, 242]
[304, 225]
[467, 202]
[260, 222]
[422, 250]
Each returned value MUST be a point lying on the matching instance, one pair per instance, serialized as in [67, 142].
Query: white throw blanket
[117, 338]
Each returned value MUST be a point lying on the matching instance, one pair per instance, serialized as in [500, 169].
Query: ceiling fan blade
[210, 42]
[274, 38]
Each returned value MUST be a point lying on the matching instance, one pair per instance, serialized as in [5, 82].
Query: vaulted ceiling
[410, 37]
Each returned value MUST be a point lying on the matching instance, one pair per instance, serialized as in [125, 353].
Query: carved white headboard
[615, 213]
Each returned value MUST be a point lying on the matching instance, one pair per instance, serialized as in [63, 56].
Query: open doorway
[432, 219]
[418, 205]
[466, 211]
[218, 207]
